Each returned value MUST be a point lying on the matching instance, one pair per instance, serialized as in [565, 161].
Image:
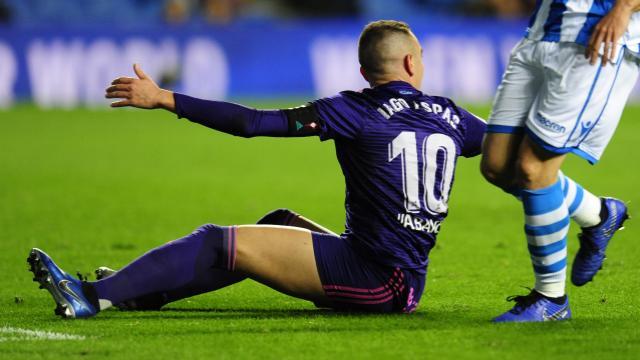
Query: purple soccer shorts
[355, 283]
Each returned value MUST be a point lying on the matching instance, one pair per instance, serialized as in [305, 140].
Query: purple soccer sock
[200, 262]
[204, 281]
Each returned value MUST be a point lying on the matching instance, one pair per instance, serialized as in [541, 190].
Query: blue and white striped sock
[546, 226]
[584, 207]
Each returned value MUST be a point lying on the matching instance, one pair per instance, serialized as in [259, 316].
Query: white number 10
[405, 146]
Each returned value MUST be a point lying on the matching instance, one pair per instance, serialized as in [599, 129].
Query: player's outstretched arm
[609, 30]
[142, 92]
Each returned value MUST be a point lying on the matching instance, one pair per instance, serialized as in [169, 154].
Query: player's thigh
[579, 100]
[279, 257]
[517, 91]
[516, 94]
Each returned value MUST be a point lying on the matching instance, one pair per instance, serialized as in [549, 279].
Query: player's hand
[141, 92]
[608, 31]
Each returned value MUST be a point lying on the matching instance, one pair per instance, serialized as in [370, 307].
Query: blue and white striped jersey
[574, 21]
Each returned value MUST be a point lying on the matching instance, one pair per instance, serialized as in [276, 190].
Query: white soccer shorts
[562, 102]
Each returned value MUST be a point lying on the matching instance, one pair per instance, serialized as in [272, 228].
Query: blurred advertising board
[71, 67]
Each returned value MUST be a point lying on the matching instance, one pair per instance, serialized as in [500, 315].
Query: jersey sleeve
[339, 118]
[474, 128]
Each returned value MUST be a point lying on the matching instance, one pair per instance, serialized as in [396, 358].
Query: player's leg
[499, 157]
[203, 278]
[213, 279]
[546, 228]
[175, 270]
[509, 161]
[516, 95]
[584, 207]
[322, 268]
[517, 92]
[354, 283]
[281, 257]
[546, 216]
[594, 240]
[286, 217]
[551, 133]
[499, 168]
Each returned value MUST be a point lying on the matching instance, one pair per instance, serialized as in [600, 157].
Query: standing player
[397, 148]
[563, 92]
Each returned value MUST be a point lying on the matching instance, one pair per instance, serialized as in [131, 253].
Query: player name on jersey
[396, 105]
[412, 222]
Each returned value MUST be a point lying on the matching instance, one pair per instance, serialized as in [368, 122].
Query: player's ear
[409, 65]
[364, 74]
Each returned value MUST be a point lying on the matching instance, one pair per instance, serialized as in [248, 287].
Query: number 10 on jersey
[436, 178]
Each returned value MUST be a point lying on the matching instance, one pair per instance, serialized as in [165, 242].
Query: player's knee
[494, 174]
[206, 229]
[491, 174]
[277, 217]
[528, 174]
[218, 240]
[208, 235]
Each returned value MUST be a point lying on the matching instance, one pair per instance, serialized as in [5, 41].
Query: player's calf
[147, 302]
[186, 265]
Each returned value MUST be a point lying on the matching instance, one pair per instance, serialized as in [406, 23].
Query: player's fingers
[607, 49]
[119, 87]
[121, 103]
[593, 55]
[614, 49]
[614, 52]
[590, 51]
[118, 95]
[138, 70]
[594, 46]
[122, 80]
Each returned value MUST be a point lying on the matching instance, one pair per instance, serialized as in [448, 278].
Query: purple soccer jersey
[398, 150]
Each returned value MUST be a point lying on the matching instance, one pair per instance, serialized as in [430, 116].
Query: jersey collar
[401, 88]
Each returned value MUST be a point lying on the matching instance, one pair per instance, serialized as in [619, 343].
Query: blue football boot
[535, 307]
[594, 241]
[65, 289]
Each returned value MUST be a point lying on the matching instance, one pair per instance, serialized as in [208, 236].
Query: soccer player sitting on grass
[398, 150]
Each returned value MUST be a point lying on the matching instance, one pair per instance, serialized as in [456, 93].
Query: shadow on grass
[441, 318]
[258, 320]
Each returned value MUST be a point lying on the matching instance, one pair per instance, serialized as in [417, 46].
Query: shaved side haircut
[378, 44]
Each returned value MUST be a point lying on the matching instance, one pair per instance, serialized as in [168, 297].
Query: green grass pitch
[101, 187]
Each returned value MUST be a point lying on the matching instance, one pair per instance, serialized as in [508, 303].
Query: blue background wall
[71, 66]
